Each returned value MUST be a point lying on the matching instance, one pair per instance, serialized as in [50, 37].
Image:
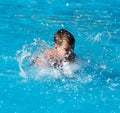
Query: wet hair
[63, 34]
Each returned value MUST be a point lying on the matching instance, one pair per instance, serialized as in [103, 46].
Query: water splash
[28, 69]
[26, 55]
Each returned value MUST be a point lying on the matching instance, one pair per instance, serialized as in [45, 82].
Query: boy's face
[64, 49]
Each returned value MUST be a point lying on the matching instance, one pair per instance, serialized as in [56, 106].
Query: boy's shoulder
[48, 52]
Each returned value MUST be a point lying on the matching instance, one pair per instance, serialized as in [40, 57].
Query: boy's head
[63, 36]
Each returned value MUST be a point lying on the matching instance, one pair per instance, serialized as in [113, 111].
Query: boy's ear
[55, 47]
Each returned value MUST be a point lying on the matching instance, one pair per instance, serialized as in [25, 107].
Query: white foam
[69, 69]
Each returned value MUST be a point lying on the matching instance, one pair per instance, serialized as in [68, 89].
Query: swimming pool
[90, 86]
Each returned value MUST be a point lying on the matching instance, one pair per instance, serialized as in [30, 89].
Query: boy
[63, 50]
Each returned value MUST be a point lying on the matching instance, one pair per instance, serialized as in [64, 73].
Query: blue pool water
[91, 85]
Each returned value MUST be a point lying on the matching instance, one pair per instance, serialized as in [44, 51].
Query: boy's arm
[43, 59]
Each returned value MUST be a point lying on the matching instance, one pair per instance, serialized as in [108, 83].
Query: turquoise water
[91, 85]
